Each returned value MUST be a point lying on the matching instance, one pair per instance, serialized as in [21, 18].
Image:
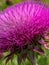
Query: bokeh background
[42, 60]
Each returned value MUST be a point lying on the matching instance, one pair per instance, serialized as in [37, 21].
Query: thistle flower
[23, 28]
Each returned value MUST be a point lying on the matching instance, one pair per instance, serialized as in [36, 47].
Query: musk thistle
[22, 30]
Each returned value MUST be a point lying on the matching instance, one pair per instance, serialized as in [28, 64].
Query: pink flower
[22, 27]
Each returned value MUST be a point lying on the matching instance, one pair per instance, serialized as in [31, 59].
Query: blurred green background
[42, 60]
[3, 4]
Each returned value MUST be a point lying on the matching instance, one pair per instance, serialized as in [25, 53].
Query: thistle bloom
[23, 27]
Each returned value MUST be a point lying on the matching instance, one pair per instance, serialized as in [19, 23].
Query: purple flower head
[22, 27]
